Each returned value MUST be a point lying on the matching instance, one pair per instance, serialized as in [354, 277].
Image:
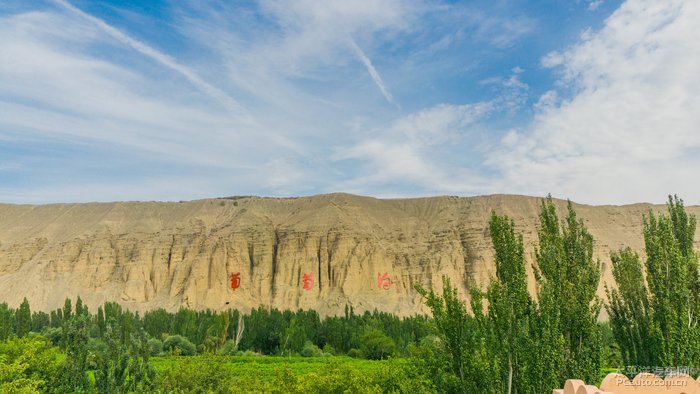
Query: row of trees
[114, 345]
[507, 341]
[375, 335]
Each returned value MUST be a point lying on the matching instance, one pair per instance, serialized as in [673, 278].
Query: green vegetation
[655, 316]
[287, 375]
[502, 340]
[71, 350]
[505, 341]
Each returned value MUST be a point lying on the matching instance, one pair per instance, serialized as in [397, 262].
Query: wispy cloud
[69, 118]
[373, 72]
[269, 97]
[160, 57]
[415, 150]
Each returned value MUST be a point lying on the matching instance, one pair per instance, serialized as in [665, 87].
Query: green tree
[57, 318]
[40, 320]
[294, 337]
[375, 345]
[80, 308]
[452, 320]
[672, 274]
[67, 309]
[630, 311]
[567, 278]
[5, 321]
[124, 367]
[23, 318]
[201, 374]
[100, 320]
[657, 323]
[461, 341]
[179, 345]
[28, 365]
[310, 350]
[509, 306]
[75, 364]
[155, 347]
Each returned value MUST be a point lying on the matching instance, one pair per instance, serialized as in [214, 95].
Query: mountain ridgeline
[321, 252]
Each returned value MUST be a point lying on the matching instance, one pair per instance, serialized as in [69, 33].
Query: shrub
[375, 345]
[155, 346]
[179, 345]
[328, 350]
[229, 348]
[310, 350]
[53, 334]
[28, 365]
[199, 374]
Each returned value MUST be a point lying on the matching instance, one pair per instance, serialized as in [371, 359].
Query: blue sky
[595, 100]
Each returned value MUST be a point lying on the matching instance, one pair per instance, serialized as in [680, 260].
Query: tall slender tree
[23, 318]
[630, 311]
[5, 321]
[567, 278]
[509, 305]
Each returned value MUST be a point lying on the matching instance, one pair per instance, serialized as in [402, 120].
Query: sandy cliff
[154, 254]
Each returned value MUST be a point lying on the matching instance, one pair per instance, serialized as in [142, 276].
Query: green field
[281, 374]
[255, 369]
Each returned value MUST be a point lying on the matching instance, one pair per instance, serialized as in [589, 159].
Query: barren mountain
[319, 252]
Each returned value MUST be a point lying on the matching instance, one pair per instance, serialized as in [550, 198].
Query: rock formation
[146, 255]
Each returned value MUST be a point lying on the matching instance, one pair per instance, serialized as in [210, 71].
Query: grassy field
[248, 372]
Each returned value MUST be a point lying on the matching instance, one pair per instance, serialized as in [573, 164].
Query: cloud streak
[373, 72]
[165, 60]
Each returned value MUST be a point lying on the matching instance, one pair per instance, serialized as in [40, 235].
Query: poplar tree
[23, 318]
[463, 340]
[67, 309]
[567, 278]
[630, 311]
[673, 280]
[5, 321]
[509, 305]
[656, 322]
[75, 365]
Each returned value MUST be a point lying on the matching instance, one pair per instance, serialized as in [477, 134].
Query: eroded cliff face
[147, 255]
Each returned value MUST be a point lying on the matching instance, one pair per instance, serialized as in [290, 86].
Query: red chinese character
[308, 281]
[235, 280]
[383, 281]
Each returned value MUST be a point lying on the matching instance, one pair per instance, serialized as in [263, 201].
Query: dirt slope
[164, 254]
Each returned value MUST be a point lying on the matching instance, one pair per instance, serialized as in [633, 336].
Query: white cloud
[619, 126]
[308, 38]
[373, 72]
[414, 150]
[55, 91]
[158, 56]
[67, 77]
[630, 131]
